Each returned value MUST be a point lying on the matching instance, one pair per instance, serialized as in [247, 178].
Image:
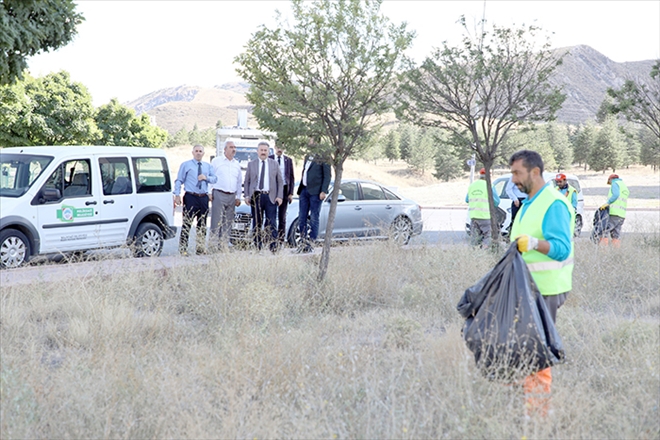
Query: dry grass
[251, 346]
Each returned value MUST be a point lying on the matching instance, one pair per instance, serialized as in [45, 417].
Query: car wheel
[293, 237]
[401, 230]
[14, 248]
[578, 226]
[148, 240]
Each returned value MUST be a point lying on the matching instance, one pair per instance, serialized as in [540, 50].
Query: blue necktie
[199, 173]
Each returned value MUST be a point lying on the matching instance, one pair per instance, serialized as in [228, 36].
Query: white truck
[246, 140]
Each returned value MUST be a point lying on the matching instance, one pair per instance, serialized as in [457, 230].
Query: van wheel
[148, 241]
[14, 248]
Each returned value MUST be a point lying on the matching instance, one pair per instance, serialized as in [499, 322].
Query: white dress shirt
[229, 175]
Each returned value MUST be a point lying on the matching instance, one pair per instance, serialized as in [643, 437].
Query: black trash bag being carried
[508, 327]
[601, 221]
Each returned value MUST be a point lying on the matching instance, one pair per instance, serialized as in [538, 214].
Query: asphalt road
[441, 226]
[447, 226]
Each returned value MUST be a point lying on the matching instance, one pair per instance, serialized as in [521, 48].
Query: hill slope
[585, 75]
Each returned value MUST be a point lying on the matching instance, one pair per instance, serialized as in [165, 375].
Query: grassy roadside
[254, 347]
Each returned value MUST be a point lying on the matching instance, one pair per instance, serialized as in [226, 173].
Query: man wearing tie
[263, 192]
[312, 191]
[195, 176]
[286, 170]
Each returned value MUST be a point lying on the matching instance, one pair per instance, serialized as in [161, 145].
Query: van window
[152, 175]
[71, 178]
[115, 175]
[19, 171]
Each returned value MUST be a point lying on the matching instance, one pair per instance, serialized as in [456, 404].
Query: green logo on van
[70, 213]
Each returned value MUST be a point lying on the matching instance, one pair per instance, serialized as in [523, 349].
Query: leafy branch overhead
[639, 101]
[28, 27]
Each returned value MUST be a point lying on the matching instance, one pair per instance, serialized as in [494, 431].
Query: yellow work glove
[604, 207]
[527, 243]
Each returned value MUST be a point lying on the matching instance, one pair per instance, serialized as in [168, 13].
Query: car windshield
[19, 171]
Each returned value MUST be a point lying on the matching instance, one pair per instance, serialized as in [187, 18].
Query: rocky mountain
[585, 75]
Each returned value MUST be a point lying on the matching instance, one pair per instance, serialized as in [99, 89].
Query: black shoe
[308, 249]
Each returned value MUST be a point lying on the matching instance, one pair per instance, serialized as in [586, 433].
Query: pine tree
[448, 164]
[649, 153]
[392, 146]
[583, 143]
[558, 139]
[407, 140]
[422, 154]
[609, 147]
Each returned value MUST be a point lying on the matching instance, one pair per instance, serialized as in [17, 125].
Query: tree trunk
[494, 226]
[327, 242]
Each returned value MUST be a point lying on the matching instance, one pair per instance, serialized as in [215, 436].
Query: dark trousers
[515, 209]
[194, 208]
[281, 216]
[264, 232]
[309, 204]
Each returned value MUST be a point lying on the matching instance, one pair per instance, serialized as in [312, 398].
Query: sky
[127, 49]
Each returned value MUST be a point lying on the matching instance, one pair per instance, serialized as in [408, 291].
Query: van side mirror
[50, 195]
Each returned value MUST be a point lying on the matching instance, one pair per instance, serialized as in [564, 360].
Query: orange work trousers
[537, 392]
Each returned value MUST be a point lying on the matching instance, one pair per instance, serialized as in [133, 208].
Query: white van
[77, 198]
[504, 212]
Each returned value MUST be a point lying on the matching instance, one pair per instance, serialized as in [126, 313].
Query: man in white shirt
[225, 194]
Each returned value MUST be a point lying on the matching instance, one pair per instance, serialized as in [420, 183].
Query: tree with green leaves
[496, 80]
[609, 147]
[639, 100]
[322, 79]
[50, 110]
[392, 146]
[28, 27]
[583, 142]
[119, 125]
[561, 145]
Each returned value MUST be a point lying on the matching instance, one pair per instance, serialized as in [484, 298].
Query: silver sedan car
[365, 210]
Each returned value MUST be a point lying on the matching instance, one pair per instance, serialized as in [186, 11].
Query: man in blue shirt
[195, 176]
[544, 233]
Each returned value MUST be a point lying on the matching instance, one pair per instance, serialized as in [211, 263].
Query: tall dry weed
[252, 346]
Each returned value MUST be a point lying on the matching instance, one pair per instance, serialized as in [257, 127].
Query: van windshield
[245, 154]
[19, 171]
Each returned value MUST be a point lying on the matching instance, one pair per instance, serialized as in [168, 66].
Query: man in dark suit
[286, 170]
[312, 191]
[263, 192]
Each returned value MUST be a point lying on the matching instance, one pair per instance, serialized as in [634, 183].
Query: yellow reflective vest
[552, 277]
[478, 200]
[618, 207]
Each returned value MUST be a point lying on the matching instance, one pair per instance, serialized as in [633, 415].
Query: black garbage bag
[601, 221]
[508, 327]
